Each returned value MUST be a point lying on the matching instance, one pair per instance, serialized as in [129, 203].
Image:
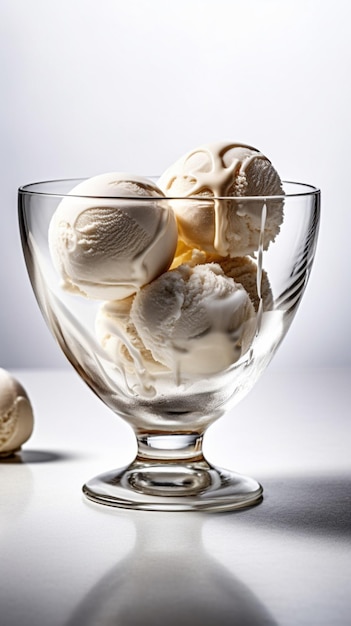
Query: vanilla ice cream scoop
[221, 170]
[16, 414]
[194, 319]
[111, 235]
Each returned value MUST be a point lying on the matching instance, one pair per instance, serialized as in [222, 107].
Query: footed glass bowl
[189, 345]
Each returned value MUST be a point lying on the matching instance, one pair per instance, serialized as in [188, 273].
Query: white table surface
[286, 562]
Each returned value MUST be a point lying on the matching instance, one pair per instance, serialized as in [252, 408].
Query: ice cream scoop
[16, 414]
[212, 173]
[111, 235]
[194, 319]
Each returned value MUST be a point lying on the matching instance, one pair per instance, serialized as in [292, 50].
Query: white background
[89, 86]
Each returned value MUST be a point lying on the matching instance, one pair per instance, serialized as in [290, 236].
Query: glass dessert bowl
[169, 335]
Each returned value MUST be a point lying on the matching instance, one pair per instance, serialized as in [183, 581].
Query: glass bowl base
[196, 486]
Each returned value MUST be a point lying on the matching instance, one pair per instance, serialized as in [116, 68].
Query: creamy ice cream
[105, 247]
[194, 320]
[220, 226]
[16, 414]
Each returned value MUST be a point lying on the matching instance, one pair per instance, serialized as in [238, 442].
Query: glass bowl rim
[29, 189]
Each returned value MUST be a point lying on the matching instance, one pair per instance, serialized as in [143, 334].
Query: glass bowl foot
[174, 487]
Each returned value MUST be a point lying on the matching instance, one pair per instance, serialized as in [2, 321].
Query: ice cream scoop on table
[16, 414]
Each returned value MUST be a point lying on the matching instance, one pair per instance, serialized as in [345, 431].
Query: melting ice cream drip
[144, 386]
[216, 180]
[260, 266]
